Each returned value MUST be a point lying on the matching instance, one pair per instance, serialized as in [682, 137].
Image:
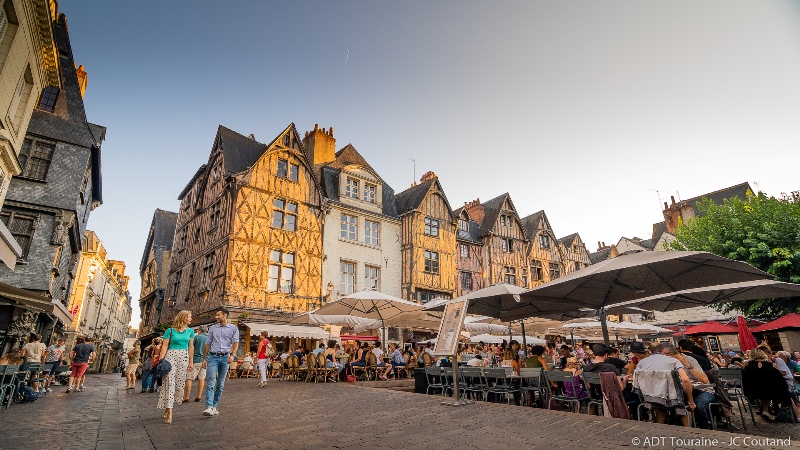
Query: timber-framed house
[469, 254]
[505, 243]
[544, 256]
[428, 241]
[249, 231]
[361, 236]
[574, 255]
[154, 268]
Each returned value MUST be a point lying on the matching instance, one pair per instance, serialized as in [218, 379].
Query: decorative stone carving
[23, 324]
[59, 234]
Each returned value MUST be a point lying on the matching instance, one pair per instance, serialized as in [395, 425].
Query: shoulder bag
[163, 366]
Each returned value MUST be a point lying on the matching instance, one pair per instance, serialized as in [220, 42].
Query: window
[191, 280]
[463, 225]
[19, 103]
[509, 275]
[8, 29]
[286, 170]
[431, 227]
[372, 277]
[197, 233]
[555, 271]
[284, 214]
[47, 101]
[21, 227]
[427, 296]
[208, 269]
[351, 189]
[349, 224]
[182, 238]
[216, 173]
[577, 266]
[187, 201]
[464, 250]
[287, 140]
[466, 281]
[505, 220]
[544, 241]
[508, 245]
[281, 272]
[176, 286]
[524, 277]
[35, 157]
[215, 214]
[347, 278]
[369, 193]
[371, 232]
[536, 270]
[431, 262]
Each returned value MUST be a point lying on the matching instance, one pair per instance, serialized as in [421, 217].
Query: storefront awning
[285, 330]
[26, 298]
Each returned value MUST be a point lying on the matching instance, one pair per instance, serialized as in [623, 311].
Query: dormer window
[47, 101]
[351, 189]
[369, 193]
[463, 225]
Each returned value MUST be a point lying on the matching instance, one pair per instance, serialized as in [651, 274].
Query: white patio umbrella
[491, 339]
[312, 318]
[370, 305]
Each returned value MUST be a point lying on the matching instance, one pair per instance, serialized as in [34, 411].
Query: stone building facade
[100, 302]
[47, 206]
[361, 237]
[154, 269]
[29, 78]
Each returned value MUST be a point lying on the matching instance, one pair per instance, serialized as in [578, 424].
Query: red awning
[788, 321]
[355, 337]
[711, 327]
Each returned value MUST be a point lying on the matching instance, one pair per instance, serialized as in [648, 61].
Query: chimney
[83, 79]
[320, 145]
[475, 210]
[252, 136]
[427, 176]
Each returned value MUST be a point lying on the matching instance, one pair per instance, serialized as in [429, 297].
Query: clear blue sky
[582, 109]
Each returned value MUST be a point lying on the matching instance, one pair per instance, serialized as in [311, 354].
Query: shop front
[23, 312]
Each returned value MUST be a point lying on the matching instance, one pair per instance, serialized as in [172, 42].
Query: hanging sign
[450, 329]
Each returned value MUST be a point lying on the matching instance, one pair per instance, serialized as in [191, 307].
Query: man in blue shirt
[221, 345]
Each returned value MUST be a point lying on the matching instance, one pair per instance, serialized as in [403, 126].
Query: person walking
[54, 355]
[198, 373]
[81, 356]
[264, 351]
[133, 364]
[178, 345]
[223, 340]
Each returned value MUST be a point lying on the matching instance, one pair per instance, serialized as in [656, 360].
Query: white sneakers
[262, 384]
[210, 411]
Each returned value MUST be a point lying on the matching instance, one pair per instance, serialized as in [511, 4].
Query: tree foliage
[761, 231]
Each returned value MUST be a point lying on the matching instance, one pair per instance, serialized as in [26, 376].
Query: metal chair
[8, 383]
[681, 402]
[560, 394]
[501, 386]
[434, 376]
[474, 382]
[592, 382]
[732, 378]
[531, 384]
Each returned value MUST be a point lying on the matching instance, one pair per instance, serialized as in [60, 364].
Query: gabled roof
[531, 223]
[240, 152]
[491, 212]
[600, 255]
[411, 198]
[188, 187]
[740, 190]
[568, 240]
[658, 229]
[161, 234]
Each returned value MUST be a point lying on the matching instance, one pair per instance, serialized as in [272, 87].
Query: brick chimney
[475, 210]
[672, 215]
[320, 145]
[83, 79]
[427, 176]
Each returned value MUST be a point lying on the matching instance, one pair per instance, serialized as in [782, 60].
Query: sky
[595, 112]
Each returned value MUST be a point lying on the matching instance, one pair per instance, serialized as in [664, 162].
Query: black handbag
[162, 367]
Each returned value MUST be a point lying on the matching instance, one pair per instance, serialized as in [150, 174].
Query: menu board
[450, 329]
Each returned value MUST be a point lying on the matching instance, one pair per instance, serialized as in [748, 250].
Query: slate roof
[568, 240]
[491, 211]
[347, 156]
[161, 234]
[531, 223]
[598, 256]
[189, 185]
[659, 229]
[717, 197]
[240, 152]
[412, 197]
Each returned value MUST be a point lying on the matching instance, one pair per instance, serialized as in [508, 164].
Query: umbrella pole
[604, 325]
[572, 337]
[524, 342]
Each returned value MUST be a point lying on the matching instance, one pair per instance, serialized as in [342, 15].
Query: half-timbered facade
[505, 244]
[249, 231]
[469, 254]
[573, 253]
[154, 269]
[428, 241]
[362, 228]
[543, 254]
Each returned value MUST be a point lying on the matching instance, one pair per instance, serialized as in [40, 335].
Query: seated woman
[762, 381]
[395, 360]
[330, 355]
[510, 359]
[536, 360]
[360, 358]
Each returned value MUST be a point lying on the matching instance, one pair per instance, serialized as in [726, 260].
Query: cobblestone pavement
[305, 416]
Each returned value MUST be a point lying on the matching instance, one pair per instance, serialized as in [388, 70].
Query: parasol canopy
[746, 339]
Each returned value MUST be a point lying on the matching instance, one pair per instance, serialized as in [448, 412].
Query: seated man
[653, 377]
[600, 364]
[613, 358]
[477, 361]
[395, 360]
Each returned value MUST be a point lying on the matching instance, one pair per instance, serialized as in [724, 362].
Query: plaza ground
[334, 415]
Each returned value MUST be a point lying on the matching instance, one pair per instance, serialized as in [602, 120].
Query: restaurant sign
[450, 328]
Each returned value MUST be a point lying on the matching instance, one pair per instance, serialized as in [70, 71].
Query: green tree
[761, 231]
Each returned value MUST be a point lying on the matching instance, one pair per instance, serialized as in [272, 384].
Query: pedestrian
[264, 351]
[197, 373]
[223, 340]
[54, 355]
[149, 380]
[133, 364]
[87, 340]
[178, 345]
[81, 356]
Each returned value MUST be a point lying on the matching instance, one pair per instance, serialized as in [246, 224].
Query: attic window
[47, 101]
[505, 221]
[287, 140]
[544, 241]
[462, 225]
[351, 189]
[286, 170]
[508, 245]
